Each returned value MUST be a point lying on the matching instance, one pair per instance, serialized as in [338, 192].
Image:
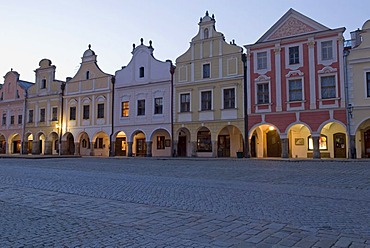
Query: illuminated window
[323, 143]
[125, 109]
[160, 143]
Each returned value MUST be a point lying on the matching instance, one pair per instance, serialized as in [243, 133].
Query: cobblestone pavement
[151, 202]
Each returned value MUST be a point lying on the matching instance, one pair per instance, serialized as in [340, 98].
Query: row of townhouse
[297, 92]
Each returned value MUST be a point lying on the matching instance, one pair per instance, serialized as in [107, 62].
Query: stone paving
[151, 202]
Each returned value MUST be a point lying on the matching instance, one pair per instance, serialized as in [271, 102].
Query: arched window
[206, 33]
[323, 142]
[141, 72]
[204, 143]
[88, 75]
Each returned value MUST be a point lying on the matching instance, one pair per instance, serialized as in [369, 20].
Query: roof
[24, 84]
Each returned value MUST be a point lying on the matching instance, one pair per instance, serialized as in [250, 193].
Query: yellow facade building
[87, 104]
[43, 112]
[208, 96]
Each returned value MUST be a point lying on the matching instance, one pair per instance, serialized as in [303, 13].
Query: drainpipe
[24, 119]
[172, 71]
[352, 149]
[62, 87]
[246, 130]
[111, 148]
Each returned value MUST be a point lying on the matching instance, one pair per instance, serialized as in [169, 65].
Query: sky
[62, 30]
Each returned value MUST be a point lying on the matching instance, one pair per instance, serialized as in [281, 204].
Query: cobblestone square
[155, 202]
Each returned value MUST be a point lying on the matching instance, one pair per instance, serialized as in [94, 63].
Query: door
[273, 144]
[181, 146]
[17, 146]
[120, 148]
[367, 144]
[223, 148]
[339, 145]
[140, 147]
[253, 147]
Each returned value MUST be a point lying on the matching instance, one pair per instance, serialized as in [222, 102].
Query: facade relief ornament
[262, 78]
[291, 27]
[296, 73]
[327, 69]
[311, 43]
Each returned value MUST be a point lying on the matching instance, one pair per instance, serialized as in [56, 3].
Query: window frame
[158, 106]
[206, 103]
[43, 83]
[125, 111]
[30, 116]
[204, 141]
[263, 93]
[294, 57]
[54, 114]
[229, 102]
[72, 113]
[86, 112]
[141, 72]
[206, 70]
[140, 107]
[290, 90]
[42, 115]
[261, 60]
[323, 143]
[327, 52]
[161, 142]
[185, 104]
[20, 119]
[12, 120]
[367, 84]
[334, 87]
[101, 110]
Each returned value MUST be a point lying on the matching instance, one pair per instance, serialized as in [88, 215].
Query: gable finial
[133, 46]
[213, 16]
[141, 40]
[207, 13]
[11, 69]
[89, 46]
[150, 43]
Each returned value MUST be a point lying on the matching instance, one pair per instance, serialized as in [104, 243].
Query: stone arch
[265, 140]
[120, 143]
[229, 141]
[100, 144]
[138, 142]
[3, 143]
[160, 140]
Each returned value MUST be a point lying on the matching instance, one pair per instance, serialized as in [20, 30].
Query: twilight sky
[61, 30]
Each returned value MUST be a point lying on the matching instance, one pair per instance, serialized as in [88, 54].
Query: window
[12, 120]
[261, 60]
[72, 113]
[328, 87]
[295, 90]
[141, 72]
[368, 84]
[43, 84]
[206, 71]
[206, 100]
[323, 143]
[160, 142]
[125, 109]
[293, 55]
[327, 50]
[158, 106]
[204, 143]
[263, 95]
[54, 114]
[100, 110]
[185, 102]
[86, 112]
[4, 119]
[87, 75]
[20, 119]
[229, 98]
[42, 115]
[99, 143]
[141, 107]
[206, 33]
[30, 116]
[84, 143]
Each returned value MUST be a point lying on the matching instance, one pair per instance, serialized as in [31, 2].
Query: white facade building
[142, 121]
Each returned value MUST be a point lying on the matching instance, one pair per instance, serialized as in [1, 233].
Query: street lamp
[246, 129]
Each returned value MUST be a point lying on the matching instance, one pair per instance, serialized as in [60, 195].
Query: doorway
[223, 148]
[339, 145]
[181, 146]
[140, 147]
[273, 144]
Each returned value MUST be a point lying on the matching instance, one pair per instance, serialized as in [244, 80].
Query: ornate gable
[292, 24]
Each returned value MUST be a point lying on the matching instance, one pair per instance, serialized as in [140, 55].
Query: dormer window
[206, 33]
[87, 75]
[141, 72]
[43, 83]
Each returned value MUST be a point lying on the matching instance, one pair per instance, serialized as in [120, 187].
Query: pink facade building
[296, 94]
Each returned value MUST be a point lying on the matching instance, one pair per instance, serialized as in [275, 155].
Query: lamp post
[246, 129]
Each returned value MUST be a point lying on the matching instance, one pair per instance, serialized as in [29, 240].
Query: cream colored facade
[358, 62]
[43, 110]
[208, 96]
[87, 103]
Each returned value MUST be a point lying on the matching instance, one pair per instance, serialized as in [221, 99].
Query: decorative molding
[296, 73]
[291, 27]
[327, 69]
[262, 78]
